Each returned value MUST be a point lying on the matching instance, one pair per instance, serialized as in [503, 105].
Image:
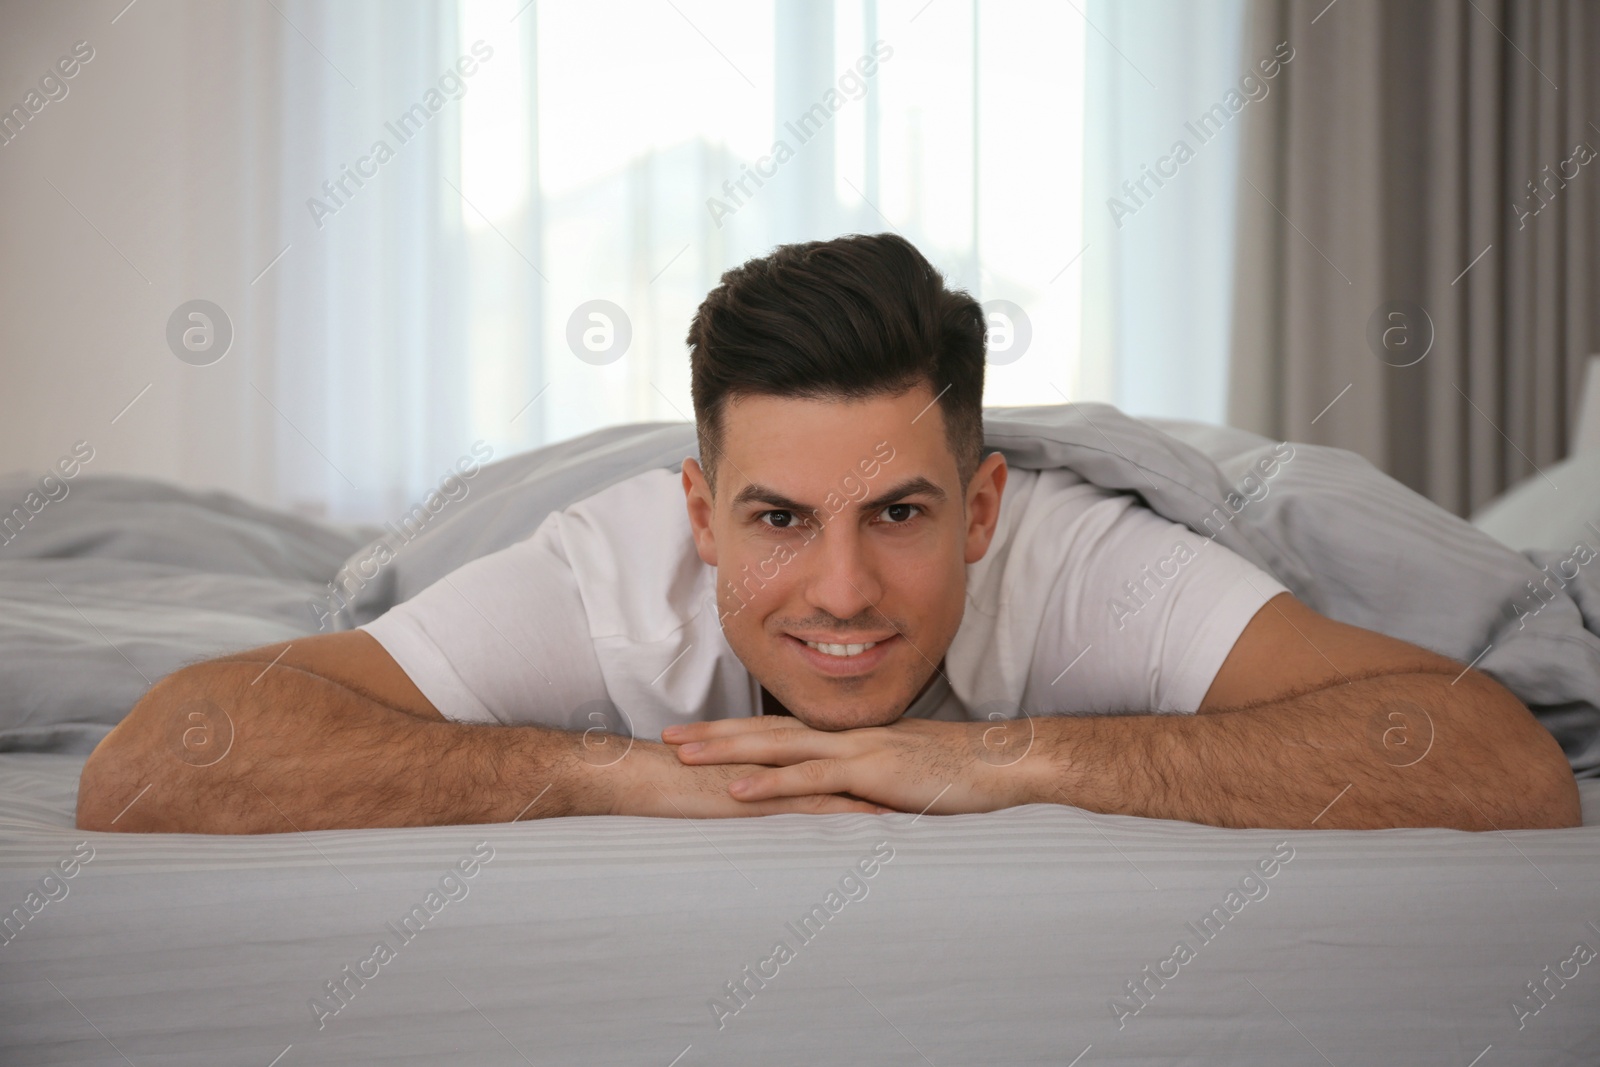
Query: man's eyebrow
[909, 487]
[756, 493]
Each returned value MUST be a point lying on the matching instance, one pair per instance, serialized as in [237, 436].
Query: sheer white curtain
[630, 153]
[407, 210]
[1158, 268]
[404, 173]
[480, 201]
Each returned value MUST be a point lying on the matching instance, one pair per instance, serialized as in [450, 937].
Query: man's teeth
[842, 650]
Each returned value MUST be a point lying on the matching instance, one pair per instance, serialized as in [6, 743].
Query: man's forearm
[1399, 750]
[217, 748]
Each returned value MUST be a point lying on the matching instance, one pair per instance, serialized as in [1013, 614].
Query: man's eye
[900, 514]
[778, 520]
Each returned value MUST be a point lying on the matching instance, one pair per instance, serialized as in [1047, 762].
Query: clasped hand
[915, 765]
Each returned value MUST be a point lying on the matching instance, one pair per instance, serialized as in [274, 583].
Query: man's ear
[983, 505]
[697, 497]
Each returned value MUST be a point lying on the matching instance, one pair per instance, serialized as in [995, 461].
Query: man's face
[841, 523]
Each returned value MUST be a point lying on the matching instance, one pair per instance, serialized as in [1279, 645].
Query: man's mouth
[843, 658]
[841, 650]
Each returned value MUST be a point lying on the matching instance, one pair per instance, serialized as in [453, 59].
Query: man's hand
[652, 782]
[915, 765]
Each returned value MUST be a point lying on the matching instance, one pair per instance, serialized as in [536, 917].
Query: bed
[1041, 934]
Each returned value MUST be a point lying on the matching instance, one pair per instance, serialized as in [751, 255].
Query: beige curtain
[1443, 154]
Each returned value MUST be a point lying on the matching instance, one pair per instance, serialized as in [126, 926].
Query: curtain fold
[1417, 247]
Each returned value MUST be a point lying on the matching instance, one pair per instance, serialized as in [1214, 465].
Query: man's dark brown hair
[859, 316]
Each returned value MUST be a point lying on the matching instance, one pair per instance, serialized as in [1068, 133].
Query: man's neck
[770, 705]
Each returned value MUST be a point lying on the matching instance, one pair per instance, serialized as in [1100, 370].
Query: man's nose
[841, 577]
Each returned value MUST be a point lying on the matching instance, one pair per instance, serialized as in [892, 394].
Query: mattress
[1037, 935]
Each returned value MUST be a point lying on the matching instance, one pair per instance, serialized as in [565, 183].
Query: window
[672, 141]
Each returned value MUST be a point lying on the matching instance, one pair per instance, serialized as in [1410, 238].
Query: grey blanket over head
[1346, 539]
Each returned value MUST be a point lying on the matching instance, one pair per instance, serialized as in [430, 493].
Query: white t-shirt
[1087, 602]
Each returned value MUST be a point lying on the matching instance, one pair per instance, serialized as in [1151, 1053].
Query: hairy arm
[1319, 723]
[1309, 724]
[328, 732]
[1394, 750]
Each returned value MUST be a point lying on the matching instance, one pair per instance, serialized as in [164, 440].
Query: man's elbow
[121, 787]
[98, 786]
[1552, 794]
[111, 768]
[1538, 791]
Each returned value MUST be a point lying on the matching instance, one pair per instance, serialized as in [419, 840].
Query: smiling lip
[843, 666]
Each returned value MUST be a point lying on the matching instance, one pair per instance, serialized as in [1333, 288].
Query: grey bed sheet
[1004, 938]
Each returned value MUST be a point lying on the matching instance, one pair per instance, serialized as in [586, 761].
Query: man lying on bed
[859, 612]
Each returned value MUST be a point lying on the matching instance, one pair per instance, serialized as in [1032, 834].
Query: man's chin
[833, 719]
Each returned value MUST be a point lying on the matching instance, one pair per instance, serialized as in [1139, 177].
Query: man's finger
[679, 733]
[813, 776]
[817, 804]
[774, 748]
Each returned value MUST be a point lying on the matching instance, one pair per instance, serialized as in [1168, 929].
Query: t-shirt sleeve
[503, 639]
[1141, 614]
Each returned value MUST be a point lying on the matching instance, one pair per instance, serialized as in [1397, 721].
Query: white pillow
[1552, 511]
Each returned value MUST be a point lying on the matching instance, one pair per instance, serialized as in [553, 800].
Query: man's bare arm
[1309, 724]
[1462, 754]
[1393, 707]
[332, 734]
